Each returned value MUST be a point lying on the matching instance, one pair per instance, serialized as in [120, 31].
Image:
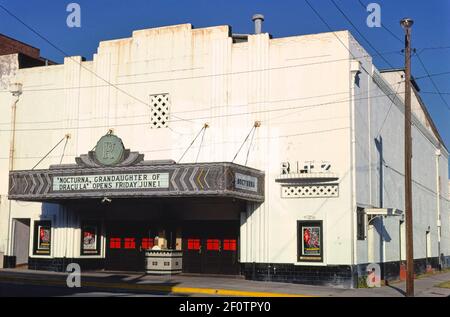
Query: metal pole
[406, 24]
[16, 91]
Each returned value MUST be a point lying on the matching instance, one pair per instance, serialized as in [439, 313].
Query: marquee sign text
[111, 182]
[246, 182]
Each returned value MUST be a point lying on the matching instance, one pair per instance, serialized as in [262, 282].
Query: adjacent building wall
[380, 170]
[14, 55]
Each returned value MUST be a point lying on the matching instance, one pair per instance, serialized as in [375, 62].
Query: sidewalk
[182, 285]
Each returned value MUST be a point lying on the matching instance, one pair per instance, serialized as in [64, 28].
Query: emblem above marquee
[109, 151]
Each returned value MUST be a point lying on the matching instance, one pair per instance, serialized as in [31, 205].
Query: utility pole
[407, 23]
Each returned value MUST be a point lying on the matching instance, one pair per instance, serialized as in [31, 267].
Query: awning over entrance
[124, 174]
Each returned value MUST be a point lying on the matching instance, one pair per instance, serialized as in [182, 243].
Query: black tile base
[9, 261]
[345, 276]
[338, 275]
[60, 264]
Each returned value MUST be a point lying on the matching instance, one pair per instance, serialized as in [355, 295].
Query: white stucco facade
[302, 89]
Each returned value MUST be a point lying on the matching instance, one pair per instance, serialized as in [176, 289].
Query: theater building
[279, 159]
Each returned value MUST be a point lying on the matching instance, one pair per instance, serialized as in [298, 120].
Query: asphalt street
[29, 290]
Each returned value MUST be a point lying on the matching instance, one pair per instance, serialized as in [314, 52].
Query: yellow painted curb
[157, 288]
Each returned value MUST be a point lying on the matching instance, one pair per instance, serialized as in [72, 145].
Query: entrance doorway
[126, 243]
[21, 240]
[125, 246]
[211, 247]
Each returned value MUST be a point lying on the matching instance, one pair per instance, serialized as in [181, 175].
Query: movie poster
[310, 241]
[89, 239]
[44, 238]
[42, 242]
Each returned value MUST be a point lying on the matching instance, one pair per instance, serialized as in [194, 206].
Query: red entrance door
[210, 247]
[125, 245]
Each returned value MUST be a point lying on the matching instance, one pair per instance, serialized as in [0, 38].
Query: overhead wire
[72, 58]
[360, 33]
[201, 118]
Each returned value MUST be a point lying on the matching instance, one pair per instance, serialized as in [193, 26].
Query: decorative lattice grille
[308, 191]
[159, 105]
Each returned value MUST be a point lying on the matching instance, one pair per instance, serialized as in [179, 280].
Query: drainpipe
[354, 69]
[438, 206]
[16, 91]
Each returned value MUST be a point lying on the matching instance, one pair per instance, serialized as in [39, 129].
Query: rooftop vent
[258, 20]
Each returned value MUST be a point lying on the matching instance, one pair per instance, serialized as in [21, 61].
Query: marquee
[125, 174]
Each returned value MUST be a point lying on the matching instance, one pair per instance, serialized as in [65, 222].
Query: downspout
[16, 91]
[354, 69]
[438, 202]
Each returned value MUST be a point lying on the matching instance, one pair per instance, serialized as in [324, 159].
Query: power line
[193, 146]
[336, 36]
[435, 93]
[201, 118]
[432, 81]
[131, 96]
[187, 111]
[207, 75]
[432, 75]
[421, 50]
[210, 75]
[260, 138]
[329, 27]
[383, 26]
[360, 33]
[214, 143]
[71, 57]
[421, 62]
[388, 112]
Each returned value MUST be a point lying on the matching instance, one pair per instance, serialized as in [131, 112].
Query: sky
[111, 19]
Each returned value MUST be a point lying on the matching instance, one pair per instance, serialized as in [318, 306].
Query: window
[360, 224]
[212, 244]
[159, 107]
[114, 243]
[229, 245]
[193, 244]
[129, 243]
[147, 243]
